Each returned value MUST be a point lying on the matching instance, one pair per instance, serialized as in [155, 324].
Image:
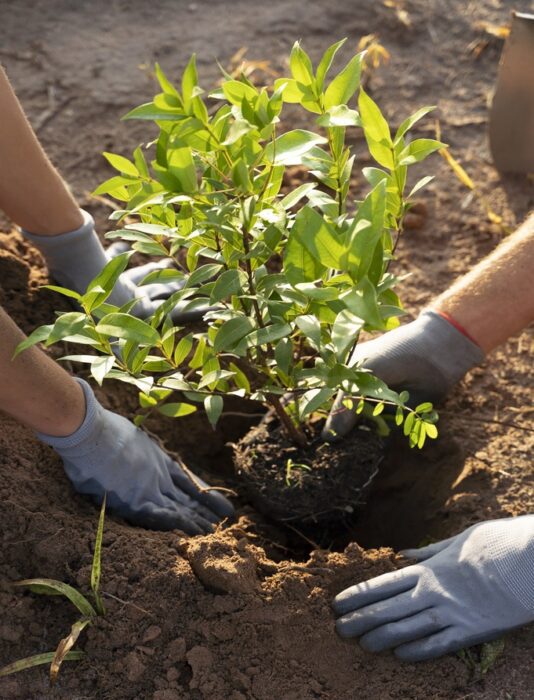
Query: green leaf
[296, 195]
[101, 366]
[96, 568]
[189, 83]
[294, 92]
[240, 378]
[274, 332]
[165, 84]
[39, 335]
[235, 91]
[213, 406]
[128, 327]
[340, 115]
[283, 354]
[47, 586]
[162, 276]
[313, 291]
[238, 128]
[423, 182]
[410, 121]
[289, 148]
[299, 265]
[212, 378]
[37, 660]
[425, 407]
[116, 187]
[345, 331]
[63, 290]
[311, 328]
[231, 332]
[377, 410]
[418, 150]
[176, 410]
[374, 175]
[376, 130]
[366, 231]
[314, 399]
[409, 423]
[122, 164]
[362, 302]
[66, 325]
[99, 289]
[140, 162]
[202, 273]
[182, 167]
[326, 62]
[231, 282]
[345, 84]
[374, 123]
[300, 65]
[150, 112]
[431, 430]
[319, 238]
[183, 349]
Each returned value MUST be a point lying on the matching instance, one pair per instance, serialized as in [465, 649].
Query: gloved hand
[466, 590]
[76, 257]
[109, 455]
[425, 357]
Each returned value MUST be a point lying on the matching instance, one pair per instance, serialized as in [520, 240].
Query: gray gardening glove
[425, 357]
[109, 455]
[75, 258]
[466, 590]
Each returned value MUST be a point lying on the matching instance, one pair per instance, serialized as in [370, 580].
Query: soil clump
[319, 483]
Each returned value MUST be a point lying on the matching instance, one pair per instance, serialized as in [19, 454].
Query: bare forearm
[496, 300]
[34, 389]
[32, 192]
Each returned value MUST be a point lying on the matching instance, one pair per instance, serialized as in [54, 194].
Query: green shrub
[292, 279]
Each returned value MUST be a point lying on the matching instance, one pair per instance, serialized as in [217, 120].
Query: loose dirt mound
[245, 613]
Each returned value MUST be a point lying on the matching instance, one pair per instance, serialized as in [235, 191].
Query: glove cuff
[512, 552]
[50, 244]
[86, 429]
[453, 353]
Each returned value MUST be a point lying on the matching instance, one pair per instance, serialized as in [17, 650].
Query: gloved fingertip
[343, 629]
[409, 553]
[117, 248]
[220, 505]
[338, 424]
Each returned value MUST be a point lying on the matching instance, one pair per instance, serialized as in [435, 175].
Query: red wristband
[455, 323]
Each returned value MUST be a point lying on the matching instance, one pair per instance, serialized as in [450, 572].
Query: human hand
[465, 590]
[109, 455]
[75, 259]
[425, 357]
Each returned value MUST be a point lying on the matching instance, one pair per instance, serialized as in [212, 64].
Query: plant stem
[287, 424]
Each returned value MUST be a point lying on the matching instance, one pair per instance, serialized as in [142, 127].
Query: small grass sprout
[89, 613]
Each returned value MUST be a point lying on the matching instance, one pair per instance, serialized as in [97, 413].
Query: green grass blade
[37, 660]
[46, 586]
[96, 568]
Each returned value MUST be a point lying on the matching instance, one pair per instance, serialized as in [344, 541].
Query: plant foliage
[291, 279]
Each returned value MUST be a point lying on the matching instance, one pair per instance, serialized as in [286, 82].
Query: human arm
[34, 195]
[479, 312]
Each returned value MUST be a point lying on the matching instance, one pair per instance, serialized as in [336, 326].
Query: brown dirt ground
[245, 613]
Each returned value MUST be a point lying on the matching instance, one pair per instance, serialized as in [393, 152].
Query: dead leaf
[64, 646]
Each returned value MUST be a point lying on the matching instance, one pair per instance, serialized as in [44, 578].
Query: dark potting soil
[319, 483]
